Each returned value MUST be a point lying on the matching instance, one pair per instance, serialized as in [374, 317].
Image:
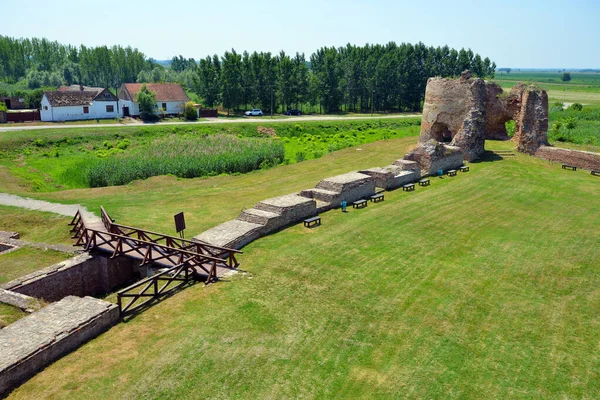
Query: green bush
[189, 111]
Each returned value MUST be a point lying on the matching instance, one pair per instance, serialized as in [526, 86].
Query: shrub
[189, 111]
[576, 107]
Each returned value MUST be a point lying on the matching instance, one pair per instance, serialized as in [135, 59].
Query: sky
[515, 34]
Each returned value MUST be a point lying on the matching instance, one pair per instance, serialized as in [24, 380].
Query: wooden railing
[227, 254]
[148, 251]
[182, 257]
[172, 279]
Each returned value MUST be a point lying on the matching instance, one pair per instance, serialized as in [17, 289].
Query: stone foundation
[82, 275]
[347, 187]
[582, 159]
[390, 177]
[233, 234]
[291, 208]
[265, 217]
[432, 156]
[31, 343]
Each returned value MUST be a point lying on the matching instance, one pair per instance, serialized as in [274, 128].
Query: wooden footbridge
[181, 260]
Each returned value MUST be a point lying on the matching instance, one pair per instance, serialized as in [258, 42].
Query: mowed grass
[35, 226]
[485, 285]
[26, 260]
[9, 314]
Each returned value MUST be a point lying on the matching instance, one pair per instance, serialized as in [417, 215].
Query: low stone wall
[234, 234]
[265, 217]
[292, 208]
[406, 165]
[24, 302]
[31, 343]
[432, 156]
[347, 187]
[582, 159]
[82, 275]
[390, 177]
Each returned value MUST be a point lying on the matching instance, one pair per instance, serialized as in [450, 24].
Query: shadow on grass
[138, 309]
[488, 156]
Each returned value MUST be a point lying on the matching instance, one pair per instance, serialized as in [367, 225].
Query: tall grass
[575, 126]
[185, 157]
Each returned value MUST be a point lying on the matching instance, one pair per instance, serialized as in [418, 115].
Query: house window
[164, 106]
[86, 110]
[110, 109]
[45, 108]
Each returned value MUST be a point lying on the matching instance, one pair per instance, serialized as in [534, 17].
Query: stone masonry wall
[454, 113]
[464, 112]
[31, 343]
[82, 275]
[433, 156]
[582, 159]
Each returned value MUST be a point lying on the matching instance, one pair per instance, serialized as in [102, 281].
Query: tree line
[48, 63]
[389, 77]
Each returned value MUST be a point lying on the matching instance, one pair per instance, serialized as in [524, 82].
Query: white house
[71, 104]
[169, 97]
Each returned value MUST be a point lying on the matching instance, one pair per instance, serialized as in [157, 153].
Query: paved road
[255, 120]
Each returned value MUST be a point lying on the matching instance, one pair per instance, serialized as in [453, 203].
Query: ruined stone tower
[465, 112]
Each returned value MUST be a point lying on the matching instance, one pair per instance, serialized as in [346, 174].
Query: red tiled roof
[164, 91]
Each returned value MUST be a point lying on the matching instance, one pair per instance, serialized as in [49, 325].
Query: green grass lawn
[26, 260]
[9, 314]
[484, 285]
[35, 226]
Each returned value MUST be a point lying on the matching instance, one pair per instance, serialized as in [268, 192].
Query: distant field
[583, 87]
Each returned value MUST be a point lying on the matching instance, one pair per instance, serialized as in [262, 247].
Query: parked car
[255, 112]
[293, 112]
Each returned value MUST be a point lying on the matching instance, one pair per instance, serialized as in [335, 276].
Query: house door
[126, 111]
[8, 105]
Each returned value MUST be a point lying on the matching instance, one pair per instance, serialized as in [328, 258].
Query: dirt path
[256, 120]
[67, 210]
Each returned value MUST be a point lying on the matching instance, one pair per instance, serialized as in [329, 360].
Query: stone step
[323, 206]
[320, 194]
[256, 216]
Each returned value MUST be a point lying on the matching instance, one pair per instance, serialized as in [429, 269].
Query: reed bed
[185, 157]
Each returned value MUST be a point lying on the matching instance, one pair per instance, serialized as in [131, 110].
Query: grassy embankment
[480, 286]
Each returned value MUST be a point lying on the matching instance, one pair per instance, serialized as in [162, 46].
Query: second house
[170, 98]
